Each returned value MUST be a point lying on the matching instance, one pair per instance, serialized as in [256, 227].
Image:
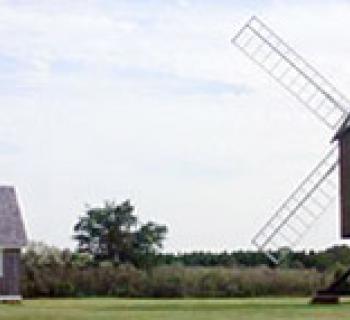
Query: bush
[168, 281]
[50, 272]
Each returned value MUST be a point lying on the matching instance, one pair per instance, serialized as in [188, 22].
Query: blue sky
[148, 100]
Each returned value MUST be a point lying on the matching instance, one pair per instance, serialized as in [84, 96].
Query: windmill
[313, 196]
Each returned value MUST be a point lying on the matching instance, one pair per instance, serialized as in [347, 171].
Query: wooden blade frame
[313, 196]
[297, 214]
[292, 72]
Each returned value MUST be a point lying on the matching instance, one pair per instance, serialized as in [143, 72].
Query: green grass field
[102, 309]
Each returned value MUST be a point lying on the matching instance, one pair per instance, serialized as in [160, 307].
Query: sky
[148, 100]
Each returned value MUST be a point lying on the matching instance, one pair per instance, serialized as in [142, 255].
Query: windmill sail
[281, 62]
[299, 212]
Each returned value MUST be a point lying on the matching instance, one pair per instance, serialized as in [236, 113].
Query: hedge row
[168, 281]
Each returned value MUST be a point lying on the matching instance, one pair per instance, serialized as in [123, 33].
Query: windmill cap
[344, 129]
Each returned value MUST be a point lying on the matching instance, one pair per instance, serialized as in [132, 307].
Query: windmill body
[343, 138]
[313, 196]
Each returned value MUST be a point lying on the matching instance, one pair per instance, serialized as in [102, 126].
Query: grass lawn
[128, 309]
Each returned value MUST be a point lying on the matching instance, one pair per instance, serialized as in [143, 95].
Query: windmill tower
[316, 192]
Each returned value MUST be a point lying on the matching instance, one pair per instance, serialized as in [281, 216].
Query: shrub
[167, 281]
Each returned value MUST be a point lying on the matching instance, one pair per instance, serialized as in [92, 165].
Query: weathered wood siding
[10, 281]
[344, 157]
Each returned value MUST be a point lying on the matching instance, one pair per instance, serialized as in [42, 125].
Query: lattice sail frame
[292, 72]
[292, 220]
[314, 195]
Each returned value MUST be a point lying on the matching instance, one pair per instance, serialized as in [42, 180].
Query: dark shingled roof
[343, 130]
[12, 233]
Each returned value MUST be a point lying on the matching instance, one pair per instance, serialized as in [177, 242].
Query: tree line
[117, 255]
[113, 233]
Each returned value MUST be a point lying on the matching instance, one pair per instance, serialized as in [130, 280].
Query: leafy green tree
[113, 233]
[148, 239]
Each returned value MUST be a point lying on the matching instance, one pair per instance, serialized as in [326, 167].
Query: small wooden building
[12, 240]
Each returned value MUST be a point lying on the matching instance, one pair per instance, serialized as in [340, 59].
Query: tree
[148, 239]
[113, 233]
